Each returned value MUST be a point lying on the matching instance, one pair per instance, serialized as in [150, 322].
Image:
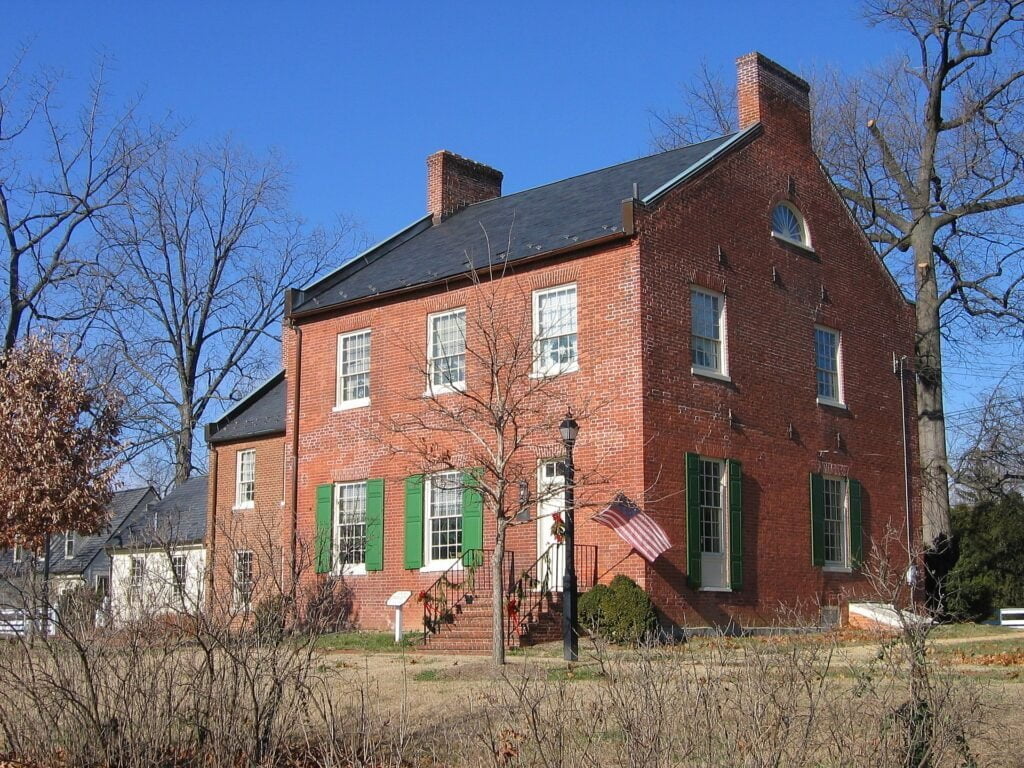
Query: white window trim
[434, 566]
[135, 589]
[348, 569]
[552, 371]
[840, 379]
[721, 374]
[236, 594]
[723, 482]
[806, 244]
[358, 402]
[17, 554]
[444, 389]
[179, 588]
[844, 565]
[251, 503]
[69, 539]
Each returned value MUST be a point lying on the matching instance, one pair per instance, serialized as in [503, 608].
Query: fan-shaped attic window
[788, 224]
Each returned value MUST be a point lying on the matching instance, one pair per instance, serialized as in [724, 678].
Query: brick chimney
[453, 182]
[770, 94]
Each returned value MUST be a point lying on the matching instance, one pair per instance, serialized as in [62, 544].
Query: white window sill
[438, 566]
[439, 390]
[244, 506]
[831, 403]
[709, 373]
[789, 241]
[714, 589]
[355, 569]
[554, 372]
[348, 405]
[837, 569]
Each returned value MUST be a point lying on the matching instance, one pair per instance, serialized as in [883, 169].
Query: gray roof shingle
[528, 223]
[87, 547]
[259, 414]
[178, 518]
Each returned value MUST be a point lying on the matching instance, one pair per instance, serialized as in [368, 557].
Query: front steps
[470, 628]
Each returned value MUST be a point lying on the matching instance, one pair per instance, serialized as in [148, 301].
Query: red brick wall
[258, 529]
[770, 328]
[356, 444]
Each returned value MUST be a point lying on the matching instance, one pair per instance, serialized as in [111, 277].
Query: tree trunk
[931, 419]
[183, 448]
[498, 597]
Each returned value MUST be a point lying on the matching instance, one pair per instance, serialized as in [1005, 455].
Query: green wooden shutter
[817, 519]
[693, 520]
[472, 516]
[856, 525]
[324, 544]
[375, 525]
[735, 524]
[414, 521]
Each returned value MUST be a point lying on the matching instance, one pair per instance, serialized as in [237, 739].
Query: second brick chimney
[769, 93]
[453, 182]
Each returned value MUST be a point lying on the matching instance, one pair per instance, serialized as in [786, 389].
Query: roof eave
[531, 259]
[213, 427]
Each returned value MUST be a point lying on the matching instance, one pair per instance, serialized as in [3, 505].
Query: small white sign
[399, 599]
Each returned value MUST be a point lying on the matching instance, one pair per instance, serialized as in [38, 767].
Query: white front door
[550, 501]
[714, 556]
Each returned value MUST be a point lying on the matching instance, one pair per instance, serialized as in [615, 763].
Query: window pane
[706, 336]
[354, 366]
[246, 492]
[786, 223]
[445, 511]
[710, 493]
[350, 522]
[448, 349]
[826, 363]
[556, 328]
[835, 524]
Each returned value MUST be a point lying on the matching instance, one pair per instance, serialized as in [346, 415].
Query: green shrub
[621, 612]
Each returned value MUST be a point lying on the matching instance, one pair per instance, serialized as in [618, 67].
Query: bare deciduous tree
[199, 260]
[991, 463]
[928, 150]
[58, 456]
[60, 170]
[490, 410]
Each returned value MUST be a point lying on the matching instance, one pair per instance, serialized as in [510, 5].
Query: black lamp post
[570, 628]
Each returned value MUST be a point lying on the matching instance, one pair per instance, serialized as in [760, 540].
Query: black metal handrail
[457, 586]
[541, 581]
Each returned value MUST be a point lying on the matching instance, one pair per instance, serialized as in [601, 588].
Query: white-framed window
[828, 365]
[245, 478]
[350, 527]
[243, 580]
[836, 522]
[554, 330]
[136, 576]
[69, 545]
[18, 554]
[101, 585]
[446, 350]
[712, 507]
[179, 573]
[708, 347]
[353, 369]
[443, 513]
[788, 224]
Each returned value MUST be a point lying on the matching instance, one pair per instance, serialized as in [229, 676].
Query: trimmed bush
[620, 612]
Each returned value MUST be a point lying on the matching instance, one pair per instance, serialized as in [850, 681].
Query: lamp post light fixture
[569, 429]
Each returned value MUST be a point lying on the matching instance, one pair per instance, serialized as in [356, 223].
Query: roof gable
[177, 519]
[259, 414]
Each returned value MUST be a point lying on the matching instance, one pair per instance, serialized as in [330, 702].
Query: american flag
[635, 527]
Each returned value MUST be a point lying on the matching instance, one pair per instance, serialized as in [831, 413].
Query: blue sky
[356, 95]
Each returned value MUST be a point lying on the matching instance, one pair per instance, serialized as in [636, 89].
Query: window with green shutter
[817, 520]
[856, 525]
[323, 544]
[472, 516]
[837, 536]
[735, 524]
[414, 521]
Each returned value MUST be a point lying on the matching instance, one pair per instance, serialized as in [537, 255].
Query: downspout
[294, 502]
[911, 574]
[210, 578]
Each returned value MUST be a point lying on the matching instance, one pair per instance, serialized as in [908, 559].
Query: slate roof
[178, 518]
[87, 547]
[547, 218]
[259, 414]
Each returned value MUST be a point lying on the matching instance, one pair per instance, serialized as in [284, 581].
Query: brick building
[715, 312]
